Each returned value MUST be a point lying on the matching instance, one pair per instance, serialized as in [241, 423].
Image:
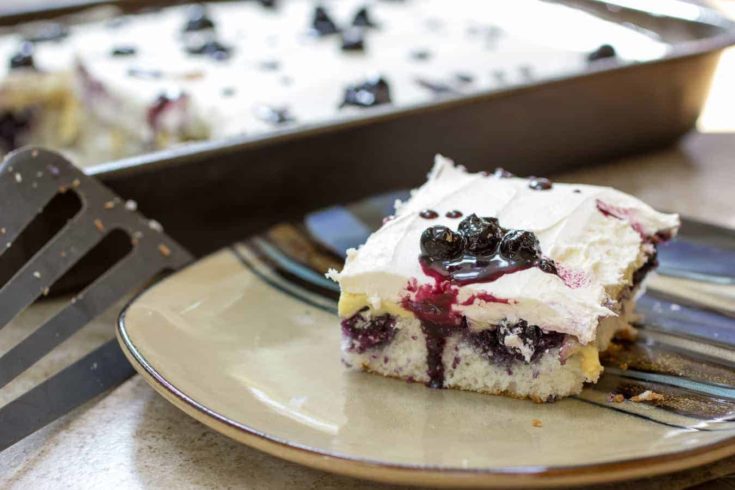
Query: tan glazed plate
[247, 342]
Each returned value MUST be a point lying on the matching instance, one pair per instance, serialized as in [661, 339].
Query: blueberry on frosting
[520, 245]
[371, 92]
[441, 243]
[482, 235]
[321, 23]
[23, 58]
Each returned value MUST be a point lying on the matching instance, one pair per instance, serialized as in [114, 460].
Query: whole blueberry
[23, 58]
[441, 243]
[520, 245]
[198, 19]
[601, 53]
[321, 23]
[481, 235]
[547, 265]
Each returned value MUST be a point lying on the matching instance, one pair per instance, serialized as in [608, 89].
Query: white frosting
[596, 249]
[474, 37]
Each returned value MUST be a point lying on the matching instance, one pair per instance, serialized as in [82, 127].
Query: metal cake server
[30, 179]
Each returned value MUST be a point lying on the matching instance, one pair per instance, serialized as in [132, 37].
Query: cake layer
[467, 363]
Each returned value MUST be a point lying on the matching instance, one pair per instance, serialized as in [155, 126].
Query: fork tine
[47, 266]
[94, 301]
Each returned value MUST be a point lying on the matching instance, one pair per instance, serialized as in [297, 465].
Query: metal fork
[29, 180]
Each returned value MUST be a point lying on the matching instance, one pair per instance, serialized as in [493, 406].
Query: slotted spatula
[29, 180]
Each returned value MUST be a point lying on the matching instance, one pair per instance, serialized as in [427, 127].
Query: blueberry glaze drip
[321, 23]
[372, 92]
[480, 251]
[603, 52]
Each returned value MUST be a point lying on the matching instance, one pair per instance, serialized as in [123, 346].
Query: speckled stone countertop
[133, 438]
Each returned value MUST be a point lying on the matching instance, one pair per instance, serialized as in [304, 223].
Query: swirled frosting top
[596, 235]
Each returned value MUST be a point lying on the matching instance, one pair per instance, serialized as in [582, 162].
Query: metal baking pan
[209, 194]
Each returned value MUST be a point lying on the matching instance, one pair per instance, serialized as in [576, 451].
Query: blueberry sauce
[469, 269]
[372, 92]
[367, 334]
[433, 306]
[429, 214]
[603, 52]
[453, 214]
[321, 23]
[539, 183]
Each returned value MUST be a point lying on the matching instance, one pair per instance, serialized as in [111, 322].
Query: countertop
[133, 438]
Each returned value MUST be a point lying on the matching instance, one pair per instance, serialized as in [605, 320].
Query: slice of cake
[497, 284]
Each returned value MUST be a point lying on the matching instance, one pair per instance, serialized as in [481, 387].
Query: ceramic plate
[247, 341]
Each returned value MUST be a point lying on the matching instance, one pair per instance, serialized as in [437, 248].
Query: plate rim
[400, 473]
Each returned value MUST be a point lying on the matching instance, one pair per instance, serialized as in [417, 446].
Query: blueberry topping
[371, 92]
[123, 51]
[23, 58]
[548, 266]
[321, 23]
[198, 19]
[353, 40]
[274, 115]
[441, 243]
[601, 53]
[212, 48]
[48, 32]
[453, 214]
[539, 183]
[439, 88]
[481, 235]
[420, 54]
[501, 173]
[429, 214]
[520, 245]
[362, 18]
